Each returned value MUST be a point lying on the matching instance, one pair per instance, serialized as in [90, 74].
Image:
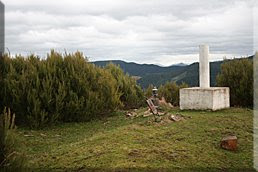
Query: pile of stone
[164, 103]
[134, 113]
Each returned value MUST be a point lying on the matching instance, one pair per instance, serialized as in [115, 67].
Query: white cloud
[145, 31]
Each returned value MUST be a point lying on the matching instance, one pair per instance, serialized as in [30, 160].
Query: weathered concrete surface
[204, 97]
[204, 66]
[213, 98]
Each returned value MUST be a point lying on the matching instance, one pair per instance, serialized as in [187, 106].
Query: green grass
[139, 144]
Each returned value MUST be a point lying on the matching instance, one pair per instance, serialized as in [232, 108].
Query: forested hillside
[157, 75]
[135, 69]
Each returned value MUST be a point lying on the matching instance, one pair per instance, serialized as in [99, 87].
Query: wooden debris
[154, 110]
[152, 107]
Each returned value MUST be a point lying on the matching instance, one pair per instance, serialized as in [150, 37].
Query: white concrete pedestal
[197, 98]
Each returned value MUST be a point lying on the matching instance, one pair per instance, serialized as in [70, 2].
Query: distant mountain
[179, 64]
[135, 69]
[188, 74]
[157, 75]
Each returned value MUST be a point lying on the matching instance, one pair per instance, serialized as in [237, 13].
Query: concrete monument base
[213, 98]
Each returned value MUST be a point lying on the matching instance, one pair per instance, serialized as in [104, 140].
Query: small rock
[147, 113]
[175, 118]
[43, 135]
[105, 123]
[229, 143]
[134, 114]
[28, 135]
[158, 119]
[170, 105]
[161, 113]
[129, 115]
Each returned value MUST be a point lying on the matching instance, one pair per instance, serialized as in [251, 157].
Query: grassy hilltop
[121, 143]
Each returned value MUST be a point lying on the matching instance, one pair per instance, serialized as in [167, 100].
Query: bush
[237, 74]
[11, 157]
[131, 95]
[63, 88]
[148, 91]
[170, 91]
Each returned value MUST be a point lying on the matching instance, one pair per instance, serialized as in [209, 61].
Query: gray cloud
[146, 31]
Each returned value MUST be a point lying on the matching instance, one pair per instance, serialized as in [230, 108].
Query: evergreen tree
[237, 74]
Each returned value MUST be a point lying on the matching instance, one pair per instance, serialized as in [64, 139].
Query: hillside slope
[141, 70]
[188, 74]
[119, 143]
[157, 75]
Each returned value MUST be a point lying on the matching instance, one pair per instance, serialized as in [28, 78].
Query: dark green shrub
[131, 95]
[148, 91]
[237, 74]
[63, 88]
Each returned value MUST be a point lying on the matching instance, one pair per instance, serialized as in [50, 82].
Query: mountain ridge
[157, 75]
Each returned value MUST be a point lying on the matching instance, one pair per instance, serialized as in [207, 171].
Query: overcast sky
[144, 31]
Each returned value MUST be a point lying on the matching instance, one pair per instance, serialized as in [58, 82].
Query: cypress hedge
[237, 74]
[63, 88]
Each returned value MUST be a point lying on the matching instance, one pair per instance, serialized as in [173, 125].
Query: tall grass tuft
[11, 157]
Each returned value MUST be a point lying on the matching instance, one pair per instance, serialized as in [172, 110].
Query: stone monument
[204, 97]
